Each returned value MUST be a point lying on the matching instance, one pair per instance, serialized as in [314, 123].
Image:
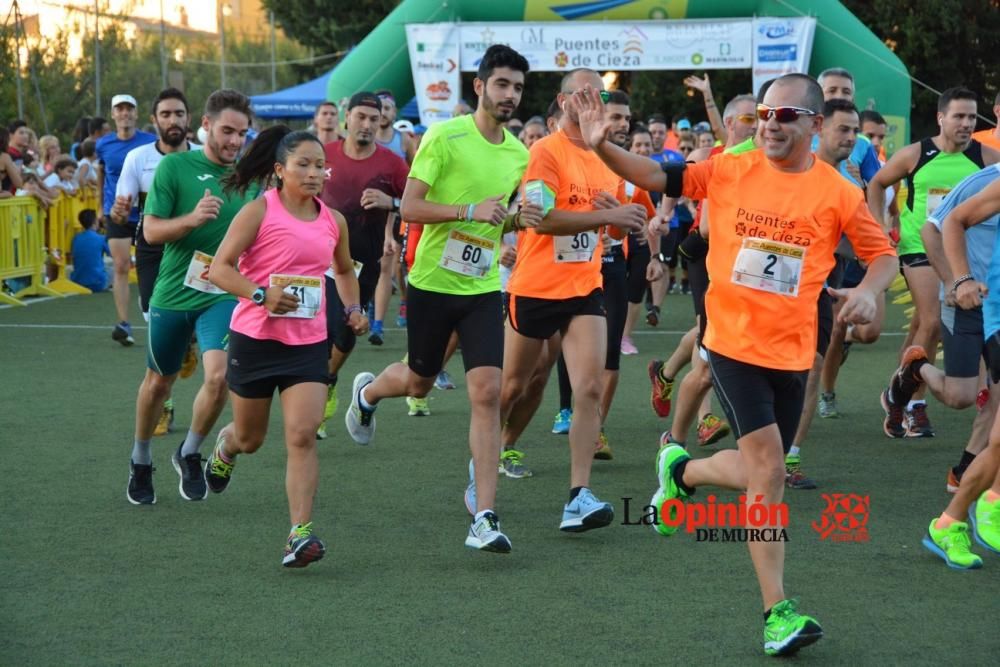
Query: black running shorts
[255, 368]
[431, 317]
[962, 339]
[544, 318]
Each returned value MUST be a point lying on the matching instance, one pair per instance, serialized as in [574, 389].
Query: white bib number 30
[308, 289]
[769, 266]
[577, 248]
[467, 255]
[197, 274]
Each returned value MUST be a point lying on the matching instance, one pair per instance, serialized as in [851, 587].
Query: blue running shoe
[562, 423]
[586, 512]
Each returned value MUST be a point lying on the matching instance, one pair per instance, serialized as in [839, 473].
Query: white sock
[479, 515]
[361, 399]
[909, 406]
[793, 451]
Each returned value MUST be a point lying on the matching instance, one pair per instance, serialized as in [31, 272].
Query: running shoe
[512, 464]
[401, 317]
[892, 425]
[954, 479]
[828, 406]
[662, 390]
[586, 512]
[673, 288]
[985, 519]
[303, 547]
[328, 411]
[190, 363]
[685, 288]
[982, 398]
[653, 316]
[375, 335]
[786, 630]
[443, 381]
[906, 379]
[470, 490]
[711, 429]
[218, 473]
[628, 347]
[667, 460]
[953, 545]
[562, 422]
[166, 421]
[485, 535]
[122, 333]
[917, 423]
[603, 450]
[794, 477]
[360, 422]
[140, 484]
[189, 469]
[419, 407]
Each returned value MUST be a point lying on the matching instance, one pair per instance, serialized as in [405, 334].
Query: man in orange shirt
[991, 136]
[555, 289]
[776, 217]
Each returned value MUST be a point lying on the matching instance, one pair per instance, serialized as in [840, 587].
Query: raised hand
[590, 112]
[207, 209]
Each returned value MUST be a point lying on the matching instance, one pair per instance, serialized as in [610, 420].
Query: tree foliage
[943, 43]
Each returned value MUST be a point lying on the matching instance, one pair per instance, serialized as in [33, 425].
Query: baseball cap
[403, 126]
[123, 99]
[364, 99]
[703, 126]
[683, 124]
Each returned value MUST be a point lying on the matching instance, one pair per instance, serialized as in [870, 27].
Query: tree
[943, 43]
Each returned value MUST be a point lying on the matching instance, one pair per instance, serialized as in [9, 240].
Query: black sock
[915, 370]
[679, 477]
[767, 615]
[574, 492]
[331, 379]
[966, 461]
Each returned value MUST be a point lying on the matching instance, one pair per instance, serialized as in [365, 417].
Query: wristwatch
[258, 296]
[663, 258]
[396, 202]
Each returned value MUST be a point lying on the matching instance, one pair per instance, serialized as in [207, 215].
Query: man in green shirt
[461, 180]
[187, 210]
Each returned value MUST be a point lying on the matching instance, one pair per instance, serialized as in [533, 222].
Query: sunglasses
[605, 96]
[782, 114]
[747, 118]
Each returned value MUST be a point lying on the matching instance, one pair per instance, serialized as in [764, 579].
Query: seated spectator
[63, 175]
[88, 251]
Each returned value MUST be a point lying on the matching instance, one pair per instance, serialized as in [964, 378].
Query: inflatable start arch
[841, 40]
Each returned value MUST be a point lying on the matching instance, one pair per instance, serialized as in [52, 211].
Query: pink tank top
[294, 253]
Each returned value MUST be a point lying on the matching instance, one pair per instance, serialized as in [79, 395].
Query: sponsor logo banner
[434, 57]
[781, 46]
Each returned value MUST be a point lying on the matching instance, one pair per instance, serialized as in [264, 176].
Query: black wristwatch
[396, 203]
[258, 296]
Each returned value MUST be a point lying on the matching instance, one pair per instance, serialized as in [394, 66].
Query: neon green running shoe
[985, 518]
[419, 407]
[667, 459]
[953, 545]
[303, 547]
[786, 630]
[218, 472]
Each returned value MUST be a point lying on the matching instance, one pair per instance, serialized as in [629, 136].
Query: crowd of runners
[526, 246]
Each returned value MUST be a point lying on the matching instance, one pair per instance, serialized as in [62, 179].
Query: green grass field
[90, 579]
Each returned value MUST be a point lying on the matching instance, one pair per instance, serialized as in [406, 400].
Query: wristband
[353, 308]
[470, 209]
[961, 279]
[674, 187]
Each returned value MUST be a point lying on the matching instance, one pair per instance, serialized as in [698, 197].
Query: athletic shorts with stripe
[754, 397]
[962, 340]
[170, 333]
[544, 318]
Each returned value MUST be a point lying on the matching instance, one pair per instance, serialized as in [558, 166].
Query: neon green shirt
[743, 147]
[462, 167]
[178, 185]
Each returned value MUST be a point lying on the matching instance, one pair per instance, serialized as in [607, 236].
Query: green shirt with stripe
[178, 185]
[461, 167]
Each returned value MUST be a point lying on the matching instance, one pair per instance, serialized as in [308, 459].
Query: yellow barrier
[22, 247]
[62, 225]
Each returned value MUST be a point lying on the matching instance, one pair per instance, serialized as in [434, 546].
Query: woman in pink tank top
[273, 258]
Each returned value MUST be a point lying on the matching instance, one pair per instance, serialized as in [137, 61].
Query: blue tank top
[395, 144]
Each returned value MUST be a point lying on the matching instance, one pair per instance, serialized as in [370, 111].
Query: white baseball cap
[403, 126]
[123, 99]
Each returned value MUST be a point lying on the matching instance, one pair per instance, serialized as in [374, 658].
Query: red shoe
[662, 390]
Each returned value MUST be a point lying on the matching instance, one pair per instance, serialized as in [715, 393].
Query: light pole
[97, 57]
[163, 49]
[225, 9]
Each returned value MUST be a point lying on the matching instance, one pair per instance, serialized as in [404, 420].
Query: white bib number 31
[769, 266]
[197, 274]
[308, 289]
[467, 255]
[577, 248]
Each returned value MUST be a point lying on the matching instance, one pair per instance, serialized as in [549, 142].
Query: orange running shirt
[987, 137]
[772, 237]
[575, 176]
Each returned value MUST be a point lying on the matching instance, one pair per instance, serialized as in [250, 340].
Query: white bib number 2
[197, 274]
[308, 289]
[467, 255]
[769, 266]
[577, 248]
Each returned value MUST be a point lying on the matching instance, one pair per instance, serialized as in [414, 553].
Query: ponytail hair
[271, 147]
